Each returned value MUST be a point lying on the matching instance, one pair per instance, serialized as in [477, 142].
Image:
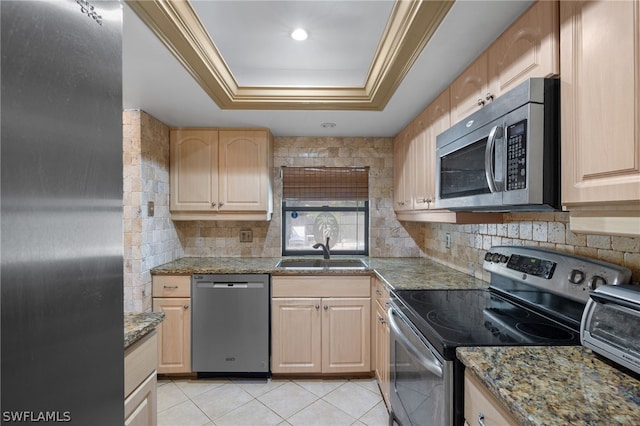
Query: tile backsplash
[151, 241]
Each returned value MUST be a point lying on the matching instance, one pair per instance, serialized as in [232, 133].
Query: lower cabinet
[172, 295]
[140, 360]
[321, 324]
[382, 347]
[482, 408]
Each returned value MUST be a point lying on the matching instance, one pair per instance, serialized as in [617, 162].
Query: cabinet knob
[480, 419]
[489, 97]
[221, 204]
[317, 307]
[326, 308]
[378, 292]
[480, 102]
[186, 307]
[213, 204]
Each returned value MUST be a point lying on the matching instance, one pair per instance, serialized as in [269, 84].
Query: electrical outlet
[447, 240]
[246, 235]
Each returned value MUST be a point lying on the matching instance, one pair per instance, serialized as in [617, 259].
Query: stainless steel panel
[230, 323]
[62, 309]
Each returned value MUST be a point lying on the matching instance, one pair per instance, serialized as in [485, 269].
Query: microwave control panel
[517, 156]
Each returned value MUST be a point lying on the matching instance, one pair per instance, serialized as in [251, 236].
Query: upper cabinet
[600, 75]
[221, 174]
[414, 152]
[529, 48]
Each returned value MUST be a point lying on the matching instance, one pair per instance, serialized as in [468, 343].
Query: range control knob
[596, 281]
[503, 258]
[487, 257]
[495, 257]
[576, 276]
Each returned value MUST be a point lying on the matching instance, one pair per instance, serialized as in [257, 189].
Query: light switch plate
[246, 235]
[150, 209]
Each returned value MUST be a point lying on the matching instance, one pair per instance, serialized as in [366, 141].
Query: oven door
[421, 380]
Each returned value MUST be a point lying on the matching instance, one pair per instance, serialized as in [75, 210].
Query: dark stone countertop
[556, 385]
[396, 273]
[137, 325]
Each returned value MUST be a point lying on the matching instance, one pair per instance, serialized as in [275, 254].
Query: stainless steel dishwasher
[230, 324]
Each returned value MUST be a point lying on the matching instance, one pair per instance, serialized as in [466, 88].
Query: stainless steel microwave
[504, 157]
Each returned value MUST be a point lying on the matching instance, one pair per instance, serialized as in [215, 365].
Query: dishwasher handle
[228, 285]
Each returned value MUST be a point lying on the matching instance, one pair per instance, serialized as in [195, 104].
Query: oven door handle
[429, 362]
[495, 133]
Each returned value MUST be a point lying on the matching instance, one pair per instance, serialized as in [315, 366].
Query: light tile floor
[262, 402]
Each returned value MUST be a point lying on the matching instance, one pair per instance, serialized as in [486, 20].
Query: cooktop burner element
[544, 331]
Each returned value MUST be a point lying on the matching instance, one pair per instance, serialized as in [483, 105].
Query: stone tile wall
[148, 241]
[388, 238]
[469, 243]
[153, 241]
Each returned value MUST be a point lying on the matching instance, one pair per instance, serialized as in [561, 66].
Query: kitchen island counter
[396, 273]
[137, 325]
[555, 385]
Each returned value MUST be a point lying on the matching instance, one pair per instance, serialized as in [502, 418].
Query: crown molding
[410, 26]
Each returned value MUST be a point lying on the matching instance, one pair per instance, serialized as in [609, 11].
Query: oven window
[421, 393]
[462, 172]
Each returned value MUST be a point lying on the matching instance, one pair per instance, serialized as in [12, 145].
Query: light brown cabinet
[382, 348]
[403, 171]
[221, 174]
[321, 324]
[482, 408]
[528, 48]
[172, 295]
[140, 403]
[600, 90]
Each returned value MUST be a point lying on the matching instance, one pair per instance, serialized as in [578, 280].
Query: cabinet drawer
[478, 402]
[171, 285]
[321, 286]
[140, 360]
[381, 294]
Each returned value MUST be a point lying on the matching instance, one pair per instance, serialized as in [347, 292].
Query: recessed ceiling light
[328, 125]
[299, 34]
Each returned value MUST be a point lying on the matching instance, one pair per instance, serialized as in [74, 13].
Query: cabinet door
[140, 408]
[469, 90]
[295, 335]
[600, 61]
[529, 48]
[194, 169]
[244, 183]
[382, 352]
[174, 335]
[403, 169]
[439, 118]
[422, 193]
[346, 335]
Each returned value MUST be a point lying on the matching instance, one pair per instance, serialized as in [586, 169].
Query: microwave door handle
[495, 133]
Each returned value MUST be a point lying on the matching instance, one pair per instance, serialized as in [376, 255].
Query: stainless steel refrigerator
[61, 212]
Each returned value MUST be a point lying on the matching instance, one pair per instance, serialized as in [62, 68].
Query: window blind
[325, 183]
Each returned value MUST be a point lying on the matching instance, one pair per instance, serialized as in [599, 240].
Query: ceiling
[369, 66]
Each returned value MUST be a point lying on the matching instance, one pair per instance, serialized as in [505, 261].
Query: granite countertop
[554, 385]
[396, 273]
[137, 325]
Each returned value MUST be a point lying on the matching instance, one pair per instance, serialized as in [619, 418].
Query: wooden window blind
[325, 183]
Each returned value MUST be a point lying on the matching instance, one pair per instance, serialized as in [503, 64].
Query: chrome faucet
[325, 249]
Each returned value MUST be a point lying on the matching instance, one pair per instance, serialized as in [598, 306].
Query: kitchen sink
[321, 264]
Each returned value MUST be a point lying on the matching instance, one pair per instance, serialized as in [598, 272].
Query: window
[321, 202]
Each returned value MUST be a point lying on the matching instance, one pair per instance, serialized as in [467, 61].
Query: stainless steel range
[536, 297]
